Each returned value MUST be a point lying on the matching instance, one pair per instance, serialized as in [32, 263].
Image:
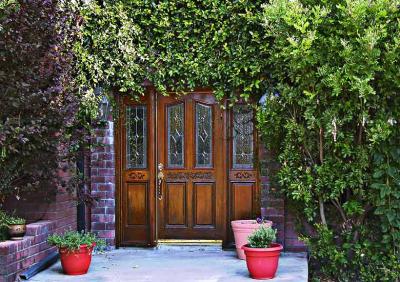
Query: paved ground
[166, 265]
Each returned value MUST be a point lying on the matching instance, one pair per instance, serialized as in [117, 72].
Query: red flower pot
[242, 230]
[262, 263]
[76, 262]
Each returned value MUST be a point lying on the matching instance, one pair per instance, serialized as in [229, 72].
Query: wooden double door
[181, 174]
[191, 149]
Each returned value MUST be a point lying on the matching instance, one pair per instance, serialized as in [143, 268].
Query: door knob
[160, 178]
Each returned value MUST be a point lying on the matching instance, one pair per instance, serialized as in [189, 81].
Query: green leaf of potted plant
[262, 254]
[75, 250]
[16, 227]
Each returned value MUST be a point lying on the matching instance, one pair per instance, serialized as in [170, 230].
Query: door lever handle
[160, 179]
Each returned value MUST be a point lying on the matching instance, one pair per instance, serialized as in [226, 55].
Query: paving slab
[171, 265]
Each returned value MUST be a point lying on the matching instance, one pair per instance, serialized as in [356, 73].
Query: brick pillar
[271, 198]
[274, 201]
[292, 242]
[102, 176]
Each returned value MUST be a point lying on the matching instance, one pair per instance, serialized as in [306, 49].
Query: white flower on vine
[334, 131]
[392, 121]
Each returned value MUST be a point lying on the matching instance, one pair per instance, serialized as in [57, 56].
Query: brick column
[274, 201]
[102, 176]
[271, 198]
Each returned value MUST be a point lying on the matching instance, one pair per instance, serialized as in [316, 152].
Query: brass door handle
[160, 178]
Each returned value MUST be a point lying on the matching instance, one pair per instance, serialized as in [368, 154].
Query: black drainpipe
[81, 208]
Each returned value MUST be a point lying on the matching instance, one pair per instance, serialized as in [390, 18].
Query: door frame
[151, 99]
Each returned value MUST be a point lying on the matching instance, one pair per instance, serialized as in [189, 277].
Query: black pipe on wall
[81, 208]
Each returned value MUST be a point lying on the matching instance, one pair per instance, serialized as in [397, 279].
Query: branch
[360, 132]
[307, 152]
[322, 211]
[321, 145]
[340, 209]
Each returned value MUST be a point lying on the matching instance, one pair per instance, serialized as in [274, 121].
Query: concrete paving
[169, 265]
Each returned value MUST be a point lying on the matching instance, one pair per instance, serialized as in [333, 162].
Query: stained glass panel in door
[176, 135]
[243, 143]
[136, 137]
[203, 135]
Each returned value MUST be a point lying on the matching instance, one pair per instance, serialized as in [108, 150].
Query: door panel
[242, 200]
[204, 205]
[193, 202]
[176, 204]
[137, 204]
[135, 168]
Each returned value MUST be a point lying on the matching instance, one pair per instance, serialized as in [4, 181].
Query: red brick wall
[45, 215]
[16, 256]
[275, 203]
[60, 208]
[102, 176]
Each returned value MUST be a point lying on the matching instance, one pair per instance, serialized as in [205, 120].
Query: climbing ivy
[174, 44]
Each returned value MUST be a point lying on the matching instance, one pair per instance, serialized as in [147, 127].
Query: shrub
[332, 117]
[3, 226]
[262, 237]
[72, 240]
[40, 102]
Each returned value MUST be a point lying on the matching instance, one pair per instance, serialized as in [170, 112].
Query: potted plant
[262, 254]
[242, 230]
[75, 250]
[16, 227]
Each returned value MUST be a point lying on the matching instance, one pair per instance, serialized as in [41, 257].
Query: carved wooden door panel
[191, 150]
[244, 188]
[136, 151]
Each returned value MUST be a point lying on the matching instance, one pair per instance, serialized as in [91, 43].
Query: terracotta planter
[16, 231]
[262, 263]
[76, 262]
[242, 230]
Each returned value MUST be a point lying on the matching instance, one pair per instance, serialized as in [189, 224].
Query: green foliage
[3, 226]
[262, 237]
[175, 44]
[332, 117]
[13, 220]
[72, 240]
[42, 115]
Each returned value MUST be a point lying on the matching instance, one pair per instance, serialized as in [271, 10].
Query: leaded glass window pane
[136, 135]
[175, 135]
[243, 137]
[203, 135]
